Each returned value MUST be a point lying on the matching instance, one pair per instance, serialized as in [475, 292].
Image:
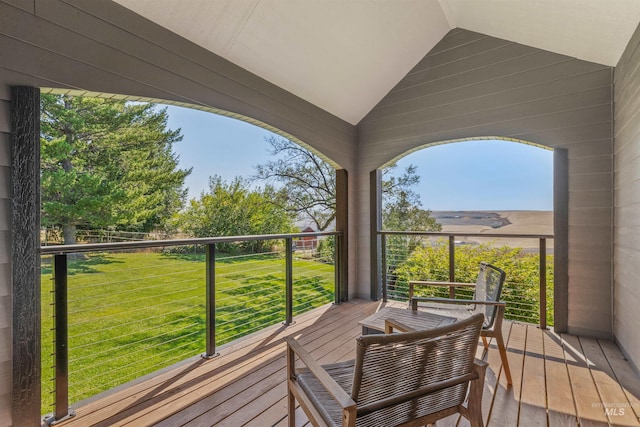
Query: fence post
[452, 265]
[288, 281]
[543, 283]
[211, 301]
[61, 336]
[383, 244]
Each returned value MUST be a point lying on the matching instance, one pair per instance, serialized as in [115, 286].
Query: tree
[401, 205]
[232, 209]
[107, 163]
[401, 212]
[308, 186]
[309, 182]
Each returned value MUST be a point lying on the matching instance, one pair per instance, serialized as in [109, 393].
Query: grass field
[131, 314]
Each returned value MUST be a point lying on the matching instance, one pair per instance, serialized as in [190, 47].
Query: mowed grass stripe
[124, 324]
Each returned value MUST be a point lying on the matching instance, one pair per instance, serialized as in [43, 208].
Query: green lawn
[133, 313]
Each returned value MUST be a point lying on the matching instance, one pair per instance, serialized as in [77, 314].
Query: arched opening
[88, 266]
[470, 200]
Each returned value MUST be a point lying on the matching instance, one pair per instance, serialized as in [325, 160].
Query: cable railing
[454, 257]
[118, 311]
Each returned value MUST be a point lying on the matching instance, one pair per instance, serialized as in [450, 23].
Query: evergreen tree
[107, 163]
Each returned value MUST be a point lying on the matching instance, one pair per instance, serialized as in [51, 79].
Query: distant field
[497, 222]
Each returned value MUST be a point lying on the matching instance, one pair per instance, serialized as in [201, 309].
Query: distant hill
[489, 219]
[497, 222]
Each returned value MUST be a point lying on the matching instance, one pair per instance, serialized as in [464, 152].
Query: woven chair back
[401, 377]
[488, 288]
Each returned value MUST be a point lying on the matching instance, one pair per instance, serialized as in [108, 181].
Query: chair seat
[342, 373]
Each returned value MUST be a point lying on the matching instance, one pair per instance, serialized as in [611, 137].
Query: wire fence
[416, 257]
[54, 236]
[133, 312]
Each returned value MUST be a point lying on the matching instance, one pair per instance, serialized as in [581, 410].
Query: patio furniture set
[413, 366]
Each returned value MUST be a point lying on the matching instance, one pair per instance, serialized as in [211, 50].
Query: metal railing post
[452, 265]
[337, 269]
[340, 265]
[543, 283]
[211, 301]
[288, 281]
[61, 337]
[383, 244]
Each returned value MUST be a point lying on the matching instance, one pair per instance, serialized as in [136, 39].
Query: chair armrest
[390, 325]
[460, 301]
[446, 284]
[480, 364]
[338, 393]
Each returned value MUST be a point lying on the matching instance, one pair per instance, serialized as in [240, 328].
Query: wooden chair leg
[474, 403]
[291, 400]
[291, 408]
[485, 342]
[503, 356]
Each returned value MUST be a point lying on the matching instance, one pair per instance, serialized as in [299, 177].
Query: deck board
[558, 380]
[584, 388]
[624, 374]
[505, 406]
[561, 412]
[494, 378]
[614, 398]
[533, 402]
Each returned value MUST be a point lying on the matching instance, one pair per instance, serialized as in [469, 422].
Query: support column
[375, 209]
[561, 240]
[25, 254]
[342, 224]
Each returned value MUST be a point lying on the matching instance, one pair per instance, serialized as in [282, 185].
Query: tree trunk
[69, 234]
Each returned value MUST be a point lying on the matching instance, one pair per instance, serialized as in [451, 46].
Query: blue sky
[476, 175]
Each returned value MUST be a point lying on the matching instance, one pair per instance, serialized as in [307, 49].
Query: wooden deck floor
[559, 380]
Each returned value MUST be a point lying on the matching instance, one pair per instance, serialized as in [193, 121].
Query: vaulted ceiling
[345, 55]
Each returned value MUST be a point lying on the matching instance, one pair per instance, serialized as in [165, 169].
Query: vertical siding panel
[5, 270]
[537, 96]
[5, 390]
[626, 285]
[4, 116]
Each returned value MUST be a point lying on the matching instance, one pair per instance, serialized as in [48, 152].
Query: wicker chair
[486, 300]
[403, 379]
